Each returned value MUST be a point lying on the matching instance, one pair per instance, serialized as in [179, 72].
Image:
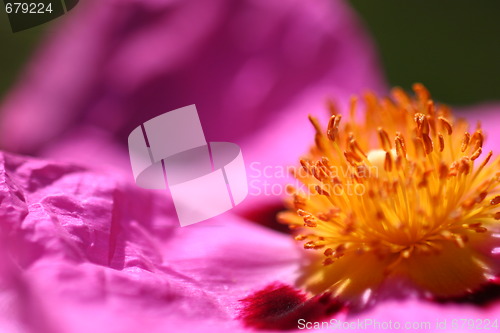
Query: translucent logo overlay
[205, 179]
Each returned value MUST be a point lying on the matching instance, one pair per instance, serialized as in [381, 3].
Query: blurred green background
[453, 47]
[15, 50]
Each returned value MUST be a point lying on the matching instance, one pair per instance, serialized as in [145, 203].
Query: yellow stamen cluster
[404, 190]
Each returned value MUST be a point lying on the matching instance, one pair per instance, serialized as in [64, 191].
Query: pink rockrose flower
[83, 249]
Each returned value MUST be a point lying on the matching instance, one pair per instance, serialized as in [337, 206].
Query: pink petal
[87, 245]
[114, 64]
[421, 314]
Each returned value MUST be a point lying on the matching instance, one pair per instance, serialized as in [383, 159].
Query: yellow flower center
[406, 192]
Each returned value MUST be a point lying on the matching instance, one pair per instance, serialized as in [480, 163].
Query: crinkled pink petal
[88, 252]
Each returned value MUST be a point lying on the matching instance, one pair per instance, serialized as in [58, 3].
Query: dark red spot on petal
[266, 216]
[482, 297]
[279, 307]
